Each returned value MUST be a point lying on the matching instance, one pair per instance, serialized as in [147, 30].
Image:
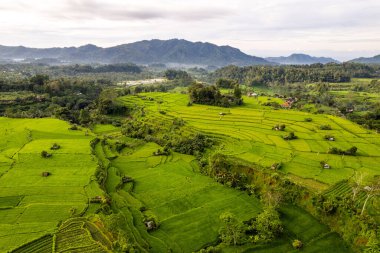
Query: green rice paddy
[32, 205]
[247, 134]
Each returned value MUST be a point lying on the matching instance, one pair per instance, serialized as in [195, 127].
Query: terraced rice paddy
[247, 134]
[32, 205]
[187, 204]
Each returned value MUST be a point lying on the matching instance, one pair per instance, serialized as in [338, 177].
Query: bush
[308, 119]
[290, 136]
[297, 244]
[45, 154]
[336, 151]
[73, 127]
[325, 127]
[160, 152]
[55, 146]
[266, 226]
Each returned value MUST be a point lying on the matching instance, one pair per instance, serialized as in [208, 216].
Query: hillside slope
[371, 60]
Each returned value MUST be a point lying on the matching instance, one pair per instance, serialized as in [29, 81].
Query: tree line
[266, 75]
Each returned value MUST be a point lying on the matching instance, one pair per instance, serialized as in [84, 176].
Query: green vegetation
[211, 95]
[32, 205]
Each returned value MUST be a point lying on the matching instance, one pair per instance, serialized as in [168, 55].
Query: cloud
[256, 26]
[137, 11]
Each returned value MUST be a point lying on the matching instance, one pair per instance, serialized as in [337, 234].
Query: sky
[343, 29]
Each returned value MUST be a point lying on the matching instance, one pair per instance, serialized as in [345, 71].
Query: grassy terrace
[32, 205]
[247, 134]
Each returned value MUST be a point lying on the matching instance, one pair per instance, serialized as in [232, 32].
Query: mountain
[172, 51]
[300, 59]
[369, 60]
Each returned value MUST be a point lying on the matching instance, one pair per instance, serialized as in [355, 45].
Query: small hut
[46, 174]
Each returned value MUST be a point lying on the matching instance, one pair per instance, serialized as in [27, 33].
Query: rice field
[31, 204]
[186, 203]
[246, 133]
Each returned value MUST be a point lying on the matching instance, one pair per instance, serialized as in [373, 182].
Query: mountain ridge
[300, 59]
[368, 60]
[141, 52]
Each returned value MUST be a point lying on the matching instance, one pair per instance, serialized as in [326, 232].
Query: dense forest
[267, 75]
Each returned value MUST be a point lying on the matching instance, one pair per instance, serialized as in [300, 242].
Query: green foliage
[45, 154]
[232, 231]
[373, 244]
[308, 119]
[290, 136]
[325, 127]
[237, 91]
[210, 95]
[39, 79]
[266, 226]
[191, 145]
[297, 244]
[225, 171]
[336, 151]
[180, 77]
[225, 83]
[266, 75]
[55, 146]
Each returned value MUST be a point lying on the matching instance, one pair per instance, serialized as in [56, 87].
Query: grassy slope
[36, 204]
[247, 135]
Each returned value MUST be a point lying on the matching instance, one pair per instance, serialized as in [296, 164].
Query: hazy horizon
[341, 29]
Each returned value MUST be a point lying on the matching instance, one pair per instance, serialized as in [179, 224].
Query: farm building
[252, 94]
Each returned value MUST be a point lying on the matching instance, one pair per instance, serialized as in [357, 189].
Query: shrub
[232, 231]
[73, 127]
[308, 119]
[325, 127]
[45, 154]
[290, 136]
[336, 151]
[297, 244]
[55, 146]
[160, 152]
[266, 226]
[273, 104]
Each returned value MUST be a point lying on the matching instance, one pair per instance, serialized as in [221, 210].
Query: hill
[172, 51]
[300, 59]
[371, 60]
